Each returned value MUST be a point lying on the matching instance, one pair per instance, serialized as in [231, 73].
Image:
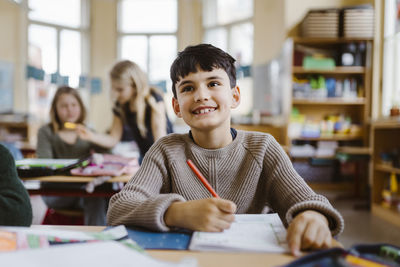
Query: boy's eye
[187, 89]
[213, 84]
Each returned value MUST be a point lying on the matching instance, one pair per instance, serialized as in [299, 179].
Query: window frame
[389, 90]
[84, 31]
[148, 35]
[228, 27]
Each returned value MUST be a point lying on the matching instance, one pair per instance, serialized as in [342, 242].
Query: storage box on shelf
[385, 142]
[331, 93]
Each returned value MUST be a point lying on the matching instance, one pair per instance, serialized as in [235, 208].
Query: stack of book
[322, 23]
[358, 22]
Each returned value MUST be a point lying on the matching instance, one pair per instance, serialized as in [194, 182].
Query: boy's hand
[308, 230]
[207, 215]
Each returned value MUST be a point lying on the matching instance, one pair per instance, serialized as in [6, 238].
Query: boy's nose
[201, 94]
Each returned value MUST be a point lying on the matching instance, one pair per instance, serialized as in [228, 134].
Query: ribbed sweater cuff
[336, 223]
[165, 202]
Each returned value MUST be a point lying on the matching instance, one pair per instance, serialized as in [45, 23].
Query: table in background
[77, 187]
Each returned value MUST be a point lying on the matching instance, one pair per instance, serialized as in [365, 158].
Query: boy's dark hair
[204, 56]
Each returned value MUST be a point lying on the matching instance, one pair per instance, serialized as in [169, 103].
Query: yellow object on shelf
[393, 183]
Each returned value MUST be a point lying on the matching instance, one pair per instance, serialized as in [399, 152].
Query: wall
[269, 29]
[13, 48]
[190, 30]
[103, 55]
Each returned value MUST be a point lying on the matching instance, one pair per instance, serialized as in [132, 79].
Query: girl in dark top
[139, 106]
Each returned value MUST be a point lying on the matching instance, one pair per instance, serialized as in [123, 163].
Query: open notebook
[249, 232]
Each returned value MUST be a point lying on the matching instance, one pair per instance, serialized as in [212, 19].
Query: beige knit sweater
[253, 172]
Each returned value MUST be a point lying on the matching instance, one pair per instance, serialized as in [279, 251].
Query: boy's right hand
[207, 215]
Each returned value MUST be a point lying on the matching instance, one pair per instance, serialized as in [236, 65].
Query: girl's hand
[84, 133]
[308, 230]
[207, 215]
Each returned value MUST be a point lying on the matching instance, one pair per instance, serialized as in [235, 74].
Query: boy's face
[204, 99]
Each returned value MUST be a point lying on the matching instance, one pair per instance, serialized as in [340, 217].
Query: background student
[139, 106]
[248, 170]
[57, 141]
[15, 206]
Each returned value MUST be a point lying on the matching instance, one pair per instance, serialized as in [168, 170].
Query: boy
[248, 170]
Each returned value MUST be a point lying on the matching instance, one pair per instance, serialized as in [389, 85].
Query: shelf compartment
[329, 101]
[317, 41]
[336, 70]
[388, 169]
[329, 138]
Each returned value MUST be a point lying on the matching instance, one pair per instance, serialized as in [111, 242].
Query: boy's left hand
[308, 230]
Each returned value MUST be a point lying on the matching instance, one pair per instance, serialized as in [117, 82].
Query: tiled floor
[361, 226]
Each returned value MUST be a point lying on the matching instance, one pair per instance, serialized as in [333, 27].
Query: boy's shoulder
[251, 137]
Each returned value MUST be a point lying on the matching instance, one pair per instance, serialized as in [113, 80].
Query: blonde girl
[139, 107]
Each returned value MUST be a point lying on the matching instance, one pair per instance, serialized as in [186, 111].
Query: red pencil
[201, 178]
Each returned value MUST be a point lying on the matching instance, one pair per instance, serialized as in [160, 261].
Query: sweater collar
[216, 153]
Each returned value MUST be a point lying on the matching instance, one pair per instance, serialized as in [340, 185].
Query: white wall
[13, 48]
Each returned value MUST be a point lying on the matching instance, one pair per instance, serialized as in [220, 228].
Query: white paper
[249, 232]
[99, 254]
[113, 233]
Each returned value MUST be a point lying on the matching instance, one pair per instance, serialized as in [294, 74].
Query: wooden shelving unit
[329, 101]
[358, 109]
[336, 70]
[384, 138]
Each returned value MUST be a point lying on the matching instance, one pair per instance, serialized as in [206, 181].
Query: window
[391, 57]
[147, 32]
[228, 25]
[57, 32]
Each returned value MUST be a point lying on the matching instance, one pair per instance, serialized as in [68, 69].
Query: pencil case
[367, 255]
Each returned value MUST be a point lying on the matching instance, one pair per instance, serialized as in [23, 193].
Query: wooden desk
[204, 259]
[77, 187]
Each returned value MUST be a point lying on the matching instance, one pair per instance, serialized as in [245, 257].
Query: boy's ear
[235, 97]
[175, 106]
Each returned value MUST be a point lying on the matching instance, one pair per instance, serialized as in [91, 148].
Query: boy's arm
[141, 202]
[289, 194]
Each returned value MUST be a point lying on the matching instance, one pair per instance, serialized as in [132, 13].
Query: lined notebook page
[249, 232]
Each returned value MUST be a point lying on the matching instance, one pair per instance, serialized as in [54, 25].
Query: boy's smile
[204, 100]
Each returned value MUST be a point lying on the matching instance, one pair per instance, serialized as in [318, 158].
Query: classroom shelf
[388, 169]
[384, 138]
[339, 186]
[317, 110]
[336, 70]
[329, 138]
[302, 40]
[329, 101]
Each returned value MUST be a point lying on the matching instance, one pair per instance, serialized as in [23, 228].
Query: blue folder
[159, 240]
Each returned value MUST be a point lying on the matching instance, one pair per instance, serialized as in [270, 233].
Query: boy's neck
[214, 139]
